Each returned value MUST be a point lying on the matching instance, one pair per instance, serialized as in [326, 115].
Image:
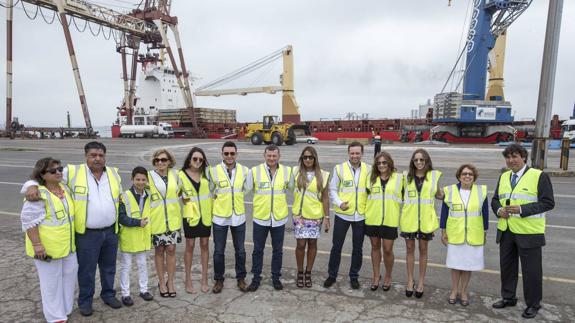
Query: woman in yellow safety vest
[165, 218]
[197, 213]
[310, 208]
[418, 218]
[464, 222]
[49, 227]
[382, 210]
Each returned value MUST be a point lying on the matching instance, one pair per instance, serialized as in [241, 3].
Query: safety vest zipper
[301, 203]
[232, 187]
[273, 180]
[382, 205]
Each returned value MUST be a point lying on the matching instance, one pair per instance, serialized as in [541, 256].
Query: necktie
[513, 180]
[230, 173]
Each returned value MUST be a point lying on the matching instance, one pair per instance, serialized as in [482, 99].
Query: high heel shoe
[299, 281]
[418, 294]
[409, 293]
[166, 294]
[307, 276]
[375, 286]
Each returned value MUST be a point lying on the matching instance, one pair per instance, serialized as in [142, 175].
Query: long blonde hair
[302, 178]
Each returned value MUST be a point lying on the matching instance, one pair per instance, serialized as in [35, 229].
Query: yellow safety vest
[383, 206]
[348, 191]
[418, 212]
[166, 213]
[228, 196]
[199, 205]
[465, 222]
[270, 193]
[56, 231]
[135, 239]
[78, 184]
[307, 202]
[525, 192]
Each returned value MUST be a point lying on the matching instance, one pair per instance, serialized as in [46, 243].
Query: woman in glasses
[165, 218]
[197, 213]
[310, 208]
[464, 223]
[383, 206]
[49, 227]
[418, 217]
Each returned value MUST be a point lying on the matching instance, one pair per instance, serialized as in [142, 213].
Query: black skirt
[381, 231]
[417, 236]
[198, 231]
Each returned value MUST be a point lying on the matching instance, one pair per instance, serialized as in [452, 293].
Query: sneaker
[242, 285]
[127, 300]
[253, 286]
[147, 296]
[278, 285]
[113, 303]
[328, 282]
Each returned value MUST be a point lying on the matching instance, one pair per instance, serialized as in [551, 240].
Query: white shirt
[273, 222]
[234, 220]
[334, 193]
[519, 173]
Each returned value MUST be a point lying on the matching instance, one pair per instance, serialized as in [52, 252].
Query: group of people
[76, 217]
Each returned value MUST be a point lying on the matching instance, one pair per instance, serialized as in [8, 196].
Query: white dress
[463, 256]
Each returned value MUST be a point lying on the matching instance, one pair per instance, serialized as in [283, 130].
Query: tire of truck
[257, 138]
[291, 137]
[277, 139]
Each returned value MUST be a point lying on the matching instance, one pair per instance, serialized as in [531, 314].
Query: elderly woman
[464, 222]
[49, 227]
[165, 218]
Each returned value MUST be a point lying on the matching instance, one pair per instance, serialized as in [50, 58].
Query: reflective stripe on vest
[308, 202]
[56, 230]
[78, 185]
[525, 192]
[135, 239]
[270, 193]
[384, 206]
[465, 222]
[351, 192]
[199, 205]
[165, 214]
[228, 198]
[418, 213]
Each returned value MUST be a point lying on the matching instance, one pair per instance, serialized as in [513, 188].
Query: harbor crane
[148, 24]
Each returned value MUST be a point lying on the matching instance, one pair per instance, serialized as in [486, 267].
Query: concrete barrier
[347, 141]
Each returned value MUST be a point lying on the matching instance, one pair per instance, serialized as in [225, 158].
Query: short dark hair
[515, 149]
[272, 147]
[355, 144]
[94, 145]
[472, 168]
[139, 170]
[229, 144]
[40, 169]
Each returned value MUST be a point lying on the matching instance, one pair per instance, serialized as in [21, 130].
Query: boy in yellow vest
[135, 235]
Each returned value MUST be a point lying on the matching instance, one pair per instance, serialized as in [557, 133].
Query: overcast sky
[378, 57]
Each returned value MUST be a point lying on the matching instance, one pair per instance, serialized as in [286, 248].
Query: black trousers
[339, 232]
[531, 266]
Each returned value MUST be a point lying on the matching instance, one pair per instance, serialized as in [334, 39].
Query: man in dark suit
[522, 197]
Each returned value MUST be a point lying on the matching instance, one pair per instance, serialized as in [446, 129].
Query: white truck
[568, 128]
[163, 130]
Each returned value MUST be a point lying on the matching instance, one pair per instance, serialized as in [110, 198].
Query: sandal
[166, 294]
[299, 281]
[170, 294]
[464, 302]
[308, 279]
[452, 301]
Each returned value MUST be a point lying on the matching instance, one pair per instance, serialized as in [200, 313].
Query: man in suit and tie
[522, 197]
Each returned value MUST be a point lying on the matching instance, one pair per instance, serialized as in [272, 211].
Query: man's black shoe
[147, 296]
[530, 312]
[328, 282]
[113, 303]
[253, 286]
[354, 283]
[86, 311]
[278, 285]
[504, 303]
[127, 300]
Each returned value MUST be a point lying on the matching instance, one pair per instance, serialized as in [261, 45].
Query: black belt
[102, 229]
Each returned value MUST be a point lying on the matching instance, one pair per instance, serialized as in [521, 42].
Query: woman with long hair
[165, 218]
[382, 215]
[418, 218]
[197, 213]
[310, 209]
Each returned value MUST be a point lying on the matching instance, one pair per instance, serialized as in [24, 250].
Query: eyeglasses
[55, 170]
[384, 163]
[419, 160]
[162, 160]
[307, 157]
[467, 174]
[229, 153]
[198, 159]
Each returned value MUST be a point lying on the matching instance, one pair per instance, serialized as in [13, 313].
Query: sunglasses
[419, 160]
[163, 160]
[229, 153]
[307, 157]
[198, 159]
[384, 163]
[467, 174]
[54, 170]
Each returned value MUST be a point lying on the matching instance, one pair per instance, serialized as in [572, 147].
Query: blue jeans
[340, 228]
[238, 238]
[96, 248]
[260, 236]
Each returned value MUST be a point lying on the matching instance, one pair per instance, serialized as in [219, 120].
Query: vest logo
[457, 207]
[411, 194]
[155, 197]
[375, 190]
[80, 189]
[60, 215]
[223, 184]
[525, 189]
[347, 183]
[264, 185]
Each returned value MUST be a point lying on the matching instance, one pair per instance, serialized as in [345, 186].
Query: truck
[568, 128]
[162, 130]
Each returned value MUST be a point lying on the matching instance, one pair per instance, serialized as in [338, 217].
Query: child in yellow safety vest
[135, 236]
